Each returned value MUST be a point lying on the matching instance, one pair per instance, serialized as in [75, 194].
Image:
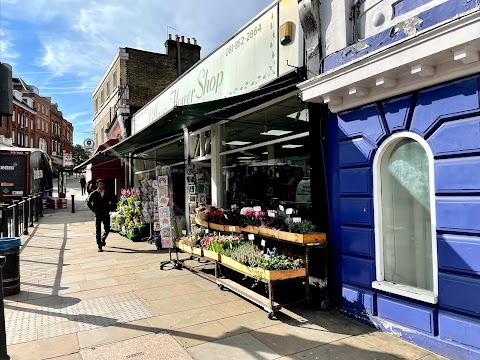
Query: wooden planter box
[212, 255]
[231, 228]
[201, 222]
[302, 238]
[217, 227]
[261, 273]
[189, 249]
[273, 233]
[250, 229]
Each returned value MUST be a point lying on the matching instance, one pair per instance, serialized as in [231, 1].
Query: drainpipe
[179, 65]
[354, 18]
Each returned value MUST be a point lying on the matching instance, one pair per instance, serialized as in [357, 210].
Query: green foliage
[246, 253]
[279, 262]
[302, 227]
[80, 154]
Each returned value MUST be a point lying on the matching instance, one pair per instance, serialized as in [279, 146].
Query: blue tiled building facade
[431, 102]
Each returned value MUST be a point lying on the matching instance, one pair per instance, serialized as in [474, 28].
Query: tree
[80, 154]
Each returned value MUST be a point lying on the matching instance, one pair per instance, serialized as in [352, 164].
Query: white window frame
[381, 284]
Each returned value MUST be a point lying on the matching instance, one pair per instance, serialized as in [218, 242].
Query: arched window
[404, 205]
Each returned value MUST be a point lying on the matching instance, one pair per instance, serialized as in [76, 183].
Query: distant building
[36, 123]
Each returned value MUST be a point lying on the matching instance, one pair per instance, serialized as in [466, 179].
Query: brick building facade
[133, 78]
[36, 123]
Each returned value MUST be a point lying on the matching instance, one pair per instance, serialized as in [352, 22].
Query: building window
[26, 122]
[114, 79]
[38, 124]
[96, 104]
[13, 137]
[406, 252]
[102, 97]
[108, 89]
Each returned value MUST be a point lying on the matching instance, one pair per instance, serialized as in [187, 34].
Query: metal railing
[15, 219]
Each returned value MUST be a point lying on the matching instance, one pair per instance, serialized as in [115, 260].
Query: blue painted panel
[445, 11]
[461, 329]
[403, 6]
[436, 103]
[358, 271]
[356, 181]
[459, 253]
[459, 175]
[360, 299]
[356, 211]
[416, 316]
[458, 214]
[365, 121]
[358, 241]
[456, 137]
[397, 112]
[460, 293]
[356, 152]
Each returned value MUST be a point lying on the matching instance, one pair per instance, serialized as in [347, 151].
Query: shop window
[271, 175]
[405, 235]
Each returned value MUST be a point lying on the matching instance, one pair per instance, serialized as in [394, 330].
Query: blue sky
[64, 46]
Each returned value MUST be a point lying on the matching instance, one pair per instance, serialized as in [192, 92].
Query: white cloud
[8, 53]
[96, 30]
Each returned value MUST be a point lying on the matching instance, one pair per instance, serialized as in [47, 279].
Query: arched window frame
[380, 283]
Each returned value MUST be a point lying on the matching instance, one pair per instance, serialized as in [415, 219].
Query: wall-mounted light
[286, 32]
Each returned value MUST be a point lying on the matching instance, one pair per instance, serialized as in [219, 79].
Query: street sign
[67, 160]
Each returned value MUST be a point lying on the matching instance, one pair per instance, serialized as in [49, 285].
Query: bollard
[73, 203]
[3, 335]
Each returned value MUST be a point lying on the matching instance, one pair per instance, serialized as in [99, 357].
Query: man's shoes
[100, 249]
[104, 243]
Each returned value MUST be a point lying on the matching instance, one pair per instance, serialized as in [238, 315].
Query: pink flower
[127, 192]
[124, 192]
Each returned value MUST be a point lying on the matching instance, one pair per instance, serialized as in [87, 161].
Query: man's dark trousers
[99, 219]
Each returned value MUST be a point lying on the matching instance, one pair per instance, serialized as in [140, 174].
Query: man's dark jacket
[99, 205]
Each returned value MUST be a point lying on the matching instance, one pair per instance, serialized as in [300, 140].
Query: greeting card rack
[163, 219]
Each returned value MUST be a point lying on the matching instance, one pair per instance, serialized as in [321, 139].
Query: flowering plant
[250, 216]
[221, 243]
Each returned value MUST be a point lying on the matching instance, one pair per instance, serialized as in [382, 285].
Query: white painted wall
[336, 26]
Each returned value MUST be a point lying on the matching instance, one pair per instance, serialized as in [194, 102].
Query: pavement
[76, 303]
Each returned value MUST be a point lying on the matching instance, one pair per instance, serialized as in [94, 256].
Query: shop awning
[196, 116]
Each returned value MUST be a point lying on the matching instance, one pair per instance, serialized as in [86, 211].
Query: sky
[64, 47]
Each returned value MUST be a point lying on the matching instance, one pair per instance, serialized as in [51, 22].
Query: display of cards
[162, 180]
[163, 201]
[167, 242]
[166, 232]
[202, 198]
[165, 222]
[200, 188]
[144, 183]
[164, 211]
[163, 190]
[156, 226]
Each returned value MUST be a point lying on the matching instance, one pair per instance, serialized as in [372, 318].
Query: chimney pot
[183, 38]
[188, 40]
[169, 36]
[177, 37]
[194, 41]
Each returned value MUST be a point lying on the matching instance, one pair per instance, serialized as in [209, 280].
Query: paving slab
[238, 347]
[198, 334]
[45, 349]
[148, 347]
[345, 349]
[288, 339]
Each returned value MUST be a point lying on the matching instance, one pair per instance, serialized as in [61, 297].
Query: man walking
[83, 184]
[101, 202]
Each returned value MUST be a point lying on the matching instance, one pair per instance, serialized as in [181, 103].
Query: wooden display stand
[271, 278]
